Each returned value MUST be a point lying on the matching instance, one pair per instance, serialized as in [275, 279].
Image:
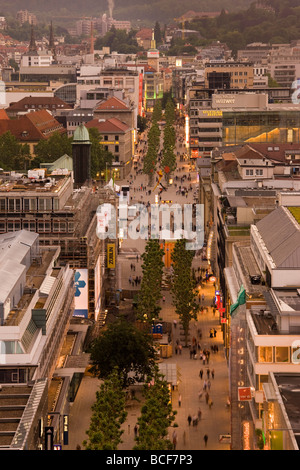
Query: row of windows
[118, 82]
[28, 204]
[258, 172]
[39, 227]
[282, 354]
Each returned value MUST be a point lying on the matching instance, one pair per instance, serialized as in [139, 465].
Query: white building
[36, 305]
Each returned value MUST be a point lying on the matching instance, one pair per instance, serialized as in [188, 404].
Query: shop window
[265, 354]
[281, 354]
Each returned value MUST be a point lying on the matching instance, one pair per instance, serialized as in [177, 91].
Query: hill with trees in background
[62, 11]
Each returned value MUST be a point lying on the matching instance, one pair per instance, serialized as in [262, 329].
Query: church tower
[153, 55]
[32, 46]
[51, 41]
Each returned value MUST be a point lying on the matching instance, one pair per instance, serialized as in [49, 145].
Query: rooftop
[283, 241]
[109, 126]
[295, 211]
[112, 104]
[264, 321]
[32, 182]
[288, 385]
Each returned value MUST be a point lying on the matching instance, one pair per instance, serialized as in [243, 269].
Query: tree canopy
[108, 415]
[127, 349]
[156, 417]
[184, 298]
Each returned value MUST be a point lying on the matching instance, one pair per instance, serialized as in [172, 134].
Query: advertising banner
[81, 293]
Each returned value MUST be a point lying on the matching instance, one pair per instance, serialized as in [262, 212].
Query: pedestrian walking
[199, 414]
[189, 419]
[205, 438]
[213, 373]
[201, 373]
[179, 401]
[174, 439]
[207, 373]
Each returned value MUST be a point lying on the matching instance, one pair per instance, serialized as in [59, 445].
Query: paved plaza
[189, 398]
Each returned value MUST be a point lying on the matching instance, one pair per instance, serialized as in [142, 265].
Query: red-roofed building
[32, 127]
[115, 108]
[36, 103]
[117, 138]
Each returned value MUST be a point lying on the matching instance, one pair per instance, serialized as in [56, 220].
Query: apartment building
[117, 138]
[120, 79]
[24, 16]
[240, 73]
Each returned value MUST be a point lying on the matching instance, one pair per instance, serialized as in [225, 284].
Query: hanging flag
[241, 299]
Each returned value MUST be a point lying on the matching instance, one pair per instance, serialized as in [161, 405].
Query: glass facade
[265, 127]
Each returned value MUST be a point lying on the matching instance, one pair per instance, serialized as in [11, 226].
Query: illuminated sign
[244, 394]
[187, 130]
[213, 113]
[111, 256]
[246, 435]
[66, 429]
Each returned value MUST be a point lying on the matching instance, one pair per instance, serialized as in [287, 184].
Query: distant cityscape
[84, 126]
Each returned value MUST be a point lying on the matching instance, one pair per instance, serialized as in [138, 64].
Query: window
[249, 172]
[29, 205]
[265, 354]
[116, 148]
[2, 205]
[281, 354]
[259, 172]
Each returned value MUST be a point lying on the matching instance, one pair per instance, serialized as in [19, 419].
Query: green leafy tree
[168, 162]
[126, 348]
[156, 416]
[108, 416]
[150, 159]
[49, 150]
[142, 123]
[157, 111]
[118, 40]
[13, 154]
[150, 293]
[157, 34]
[183, 285]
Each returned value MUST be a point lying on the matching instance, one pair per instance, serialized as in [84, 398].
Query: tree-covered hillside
[280, 24]
[150, 10]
